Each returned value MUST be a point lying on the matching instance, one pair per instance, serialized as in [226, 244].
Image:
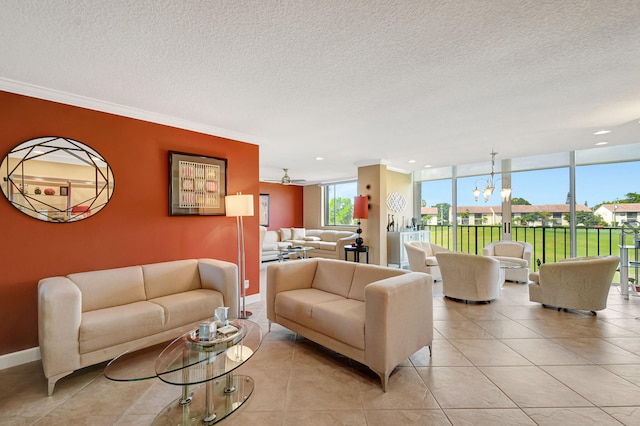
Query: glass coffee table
[187, 361]
[506, 264]
[300, 251]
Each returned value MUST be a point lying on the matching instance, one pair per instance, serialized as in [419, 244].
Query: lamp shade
[360, 207]
[239, 205]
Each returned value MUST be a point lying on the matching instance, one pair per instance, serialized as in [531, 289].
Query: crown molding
[48, 94]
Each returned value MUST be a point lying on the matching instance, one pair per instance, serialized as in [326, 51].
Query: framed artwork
[197, 184]
[264, 209]
[64, 190]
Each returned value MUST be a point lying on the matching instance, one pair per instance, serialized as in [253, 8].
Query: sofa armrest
[59, 318]
[398, 319]
[342, 242]
[288, 276]
[223, 277]
[527, 253]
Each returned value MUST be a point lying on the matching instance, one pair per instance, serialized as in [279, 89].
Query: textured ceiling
[358, 81]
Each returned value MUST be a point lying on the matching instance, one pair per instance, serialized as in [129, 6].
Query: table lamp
[360, 211]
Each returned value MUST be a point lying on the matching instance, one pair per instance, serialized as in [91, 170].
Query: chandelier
[490, 184]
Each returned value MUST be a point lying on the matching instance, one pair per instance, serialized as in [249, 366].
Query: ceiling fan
[286, 180]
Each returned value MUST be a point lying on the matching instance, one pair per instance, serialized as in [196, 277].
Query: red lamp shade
[360, 207]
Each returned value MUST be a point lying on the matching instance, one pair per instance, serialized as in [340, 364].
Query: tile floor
[510, 362]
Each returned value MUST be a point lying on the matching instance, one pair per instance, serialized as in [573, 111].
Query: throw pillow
[298, 233]
[286, 234]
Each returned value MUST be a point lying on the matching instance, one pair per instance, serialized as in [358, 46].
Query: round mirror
[56, 179]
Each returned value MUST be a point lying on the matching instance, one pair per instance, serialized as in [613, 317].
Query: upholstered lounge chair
[469, 277]
[579, 283]
[515, 252]
[422, 257]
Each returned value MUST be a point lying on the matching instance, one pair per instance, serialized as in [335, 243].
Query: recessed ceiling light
[426, 166]
[602, 132]
[412, 161]
[601, 143]
[319, 158]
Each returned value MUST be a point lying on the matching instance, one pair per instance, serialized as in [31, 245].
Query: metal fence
[550, 243]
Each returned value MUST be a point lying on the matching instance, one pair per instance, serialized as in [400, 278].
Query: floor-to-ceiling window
[541, 211]
[435, 209]
[338, 203]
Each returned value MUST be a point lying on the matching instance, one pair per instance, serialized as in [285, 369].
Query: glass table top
[143, 364]
[186, 361]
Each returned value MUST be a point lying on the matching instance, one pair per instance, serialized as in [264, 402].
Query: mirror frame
[56, 206]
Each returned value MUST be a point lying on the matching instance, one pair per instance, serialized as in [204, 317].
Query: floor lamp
[240, 205]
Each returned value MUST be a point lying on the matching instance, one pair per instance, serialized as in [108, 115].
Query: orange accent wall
[134, 228]
[286, 204]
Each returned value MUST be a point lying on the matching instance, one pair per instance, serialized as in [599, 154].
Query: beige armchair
[470, 277]
[422, 257]
[579, 283]
[515, 252]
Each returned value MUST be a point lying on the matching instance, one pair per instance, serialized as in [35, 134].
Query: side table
[356, 252]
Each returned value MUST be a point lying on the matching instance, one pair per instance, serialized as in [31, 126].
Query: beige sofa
[326, 243]
[375, 315]
[90, 317]
[581, 283]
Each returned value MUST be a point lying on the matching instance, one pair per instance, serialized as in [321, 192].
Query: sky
[594, 185]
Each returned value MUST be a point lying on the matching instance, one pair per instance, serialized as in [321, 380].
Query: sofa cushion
[334, 277]
[103, 328]
[508, 249]
[516, 260]
[341, 319]
[190, 306]
[271, 237]
[331, 236]
[297, 233]
[269, 246]
[366, 274]
[323, 245]
[297, 305]
[286, 234]
[431, 261]
[110, 287]
[162, 279]
[311, 238]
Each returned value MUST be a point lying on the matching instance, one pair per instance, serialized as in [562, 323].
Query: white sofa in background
[581, 283]
[90, 317]
[515, 252]
[375, 315]
[326, 243]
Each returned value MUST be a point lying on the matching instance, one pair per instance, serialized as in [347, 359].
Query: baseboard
[18, 358]
[253, 298]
